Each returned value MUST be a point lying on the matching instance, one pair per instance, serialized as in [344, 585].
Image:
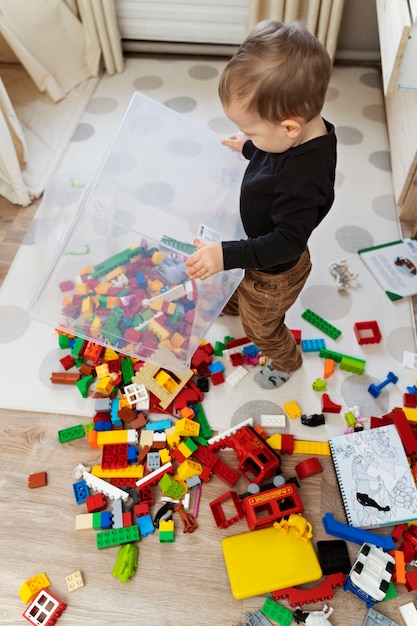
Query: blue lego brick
[356, 535]
[132, 454]
[216, 367]
[145, 525]
[251, 350]
[158, 425]
[102, 425]
[106, 520]
[312, 345]
[81, 491]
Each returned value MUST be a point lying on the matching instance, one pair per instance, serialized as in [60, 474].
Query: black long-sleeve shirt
[284, 196]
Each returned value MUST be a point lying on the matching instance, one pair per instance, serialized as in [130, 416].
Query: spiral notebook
[374, 476]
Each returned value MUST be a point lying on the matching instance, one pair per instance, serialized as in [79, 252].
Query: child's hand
[208, 260]
[235, 142]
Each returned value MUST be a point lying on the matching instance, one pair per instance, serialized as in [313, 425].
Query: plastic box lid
[117, 277]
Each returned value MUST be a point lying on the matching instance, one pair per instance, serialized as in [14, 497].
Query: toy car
[371, 574]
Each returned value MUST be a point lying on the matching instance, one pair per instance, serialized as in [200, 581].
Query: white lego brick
[409, 613]
[236, 375]
[273, 421]
[410, 360]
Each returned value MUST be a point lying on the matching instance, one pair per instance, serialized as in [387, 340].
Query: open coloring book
[375, 478]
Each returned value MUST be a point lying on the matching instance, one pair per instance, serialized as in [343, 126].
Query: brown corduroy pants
[262, 301]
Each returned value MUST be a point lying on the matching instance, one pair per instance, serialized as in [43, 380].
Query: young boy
[274, 89]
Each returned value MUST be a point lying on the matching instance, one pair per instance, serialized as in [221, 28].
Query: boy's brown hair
[280, 71]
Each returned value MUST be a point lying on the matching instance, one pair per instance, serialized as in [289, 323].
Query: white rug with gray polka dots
[363, 215]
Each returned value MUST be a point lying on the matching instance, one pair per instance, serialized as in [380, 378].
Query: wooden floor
[181, 583]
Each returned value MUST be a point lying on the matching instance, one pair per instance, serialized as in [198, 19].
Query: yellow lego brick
[275, 441]
[173, 439]
[116, 436]
[411, 414]
[105, 385]
[31, 587]
[158, 257]
[188, 468]
[165, 456]
[86, 270]
[87, 307]
[84, 521]
[102, 288]
[112, 302]
[131, 471]
[102, 370]
[187, 428]
[156, 305]
[292, 409]
[166, 525]
[155, 286]
[311, 447]
[81, 289]
[184, 449]
[110, 355]
[115, 273]
[161, 332]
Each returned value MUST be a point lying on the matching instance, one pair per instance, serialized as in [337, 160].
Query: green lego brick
[350, 364]
[321, 324]
[97, 521]
[166, 536]
[84, 384]
[68, 434]
[201, 418]
[117, 536]
[277, 612]
[127, 371]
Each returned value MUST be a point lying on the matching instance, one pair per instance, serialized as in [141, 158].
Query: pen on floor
[197, 500]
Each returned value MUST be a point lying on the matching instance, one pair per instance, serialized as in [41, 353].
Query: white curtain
[322, 17]
[61, 44]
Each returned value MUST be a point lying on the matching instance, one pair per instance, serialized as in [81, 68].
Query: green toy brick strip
[68, 434]
[117, 536]
[277, 612]
[321, 324]
[337, 356]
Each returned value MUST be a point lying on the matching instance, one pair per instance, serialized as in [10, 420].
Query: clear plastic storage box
[118, 276]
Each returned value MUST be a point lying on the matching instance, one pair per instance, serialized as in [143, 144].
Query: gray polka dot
[354, 391]
[184, 147]
[400, 340]
[119, 162]
[332, 94]
[14, 321]
[381, 160]
[349, 136]
[146, 124]
[326, 301]
[148, 83]
[340, 179]
[384, 206]
[181, 104]
[222, 125]
[101, 106]
[371, 79]
[353, 238]
[157, 194]
[374, 112]
[83, 132]
[203, 72]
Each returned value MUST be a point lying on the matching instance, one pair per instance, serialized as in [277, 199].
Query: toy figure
[341, 272]
[313, 618]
